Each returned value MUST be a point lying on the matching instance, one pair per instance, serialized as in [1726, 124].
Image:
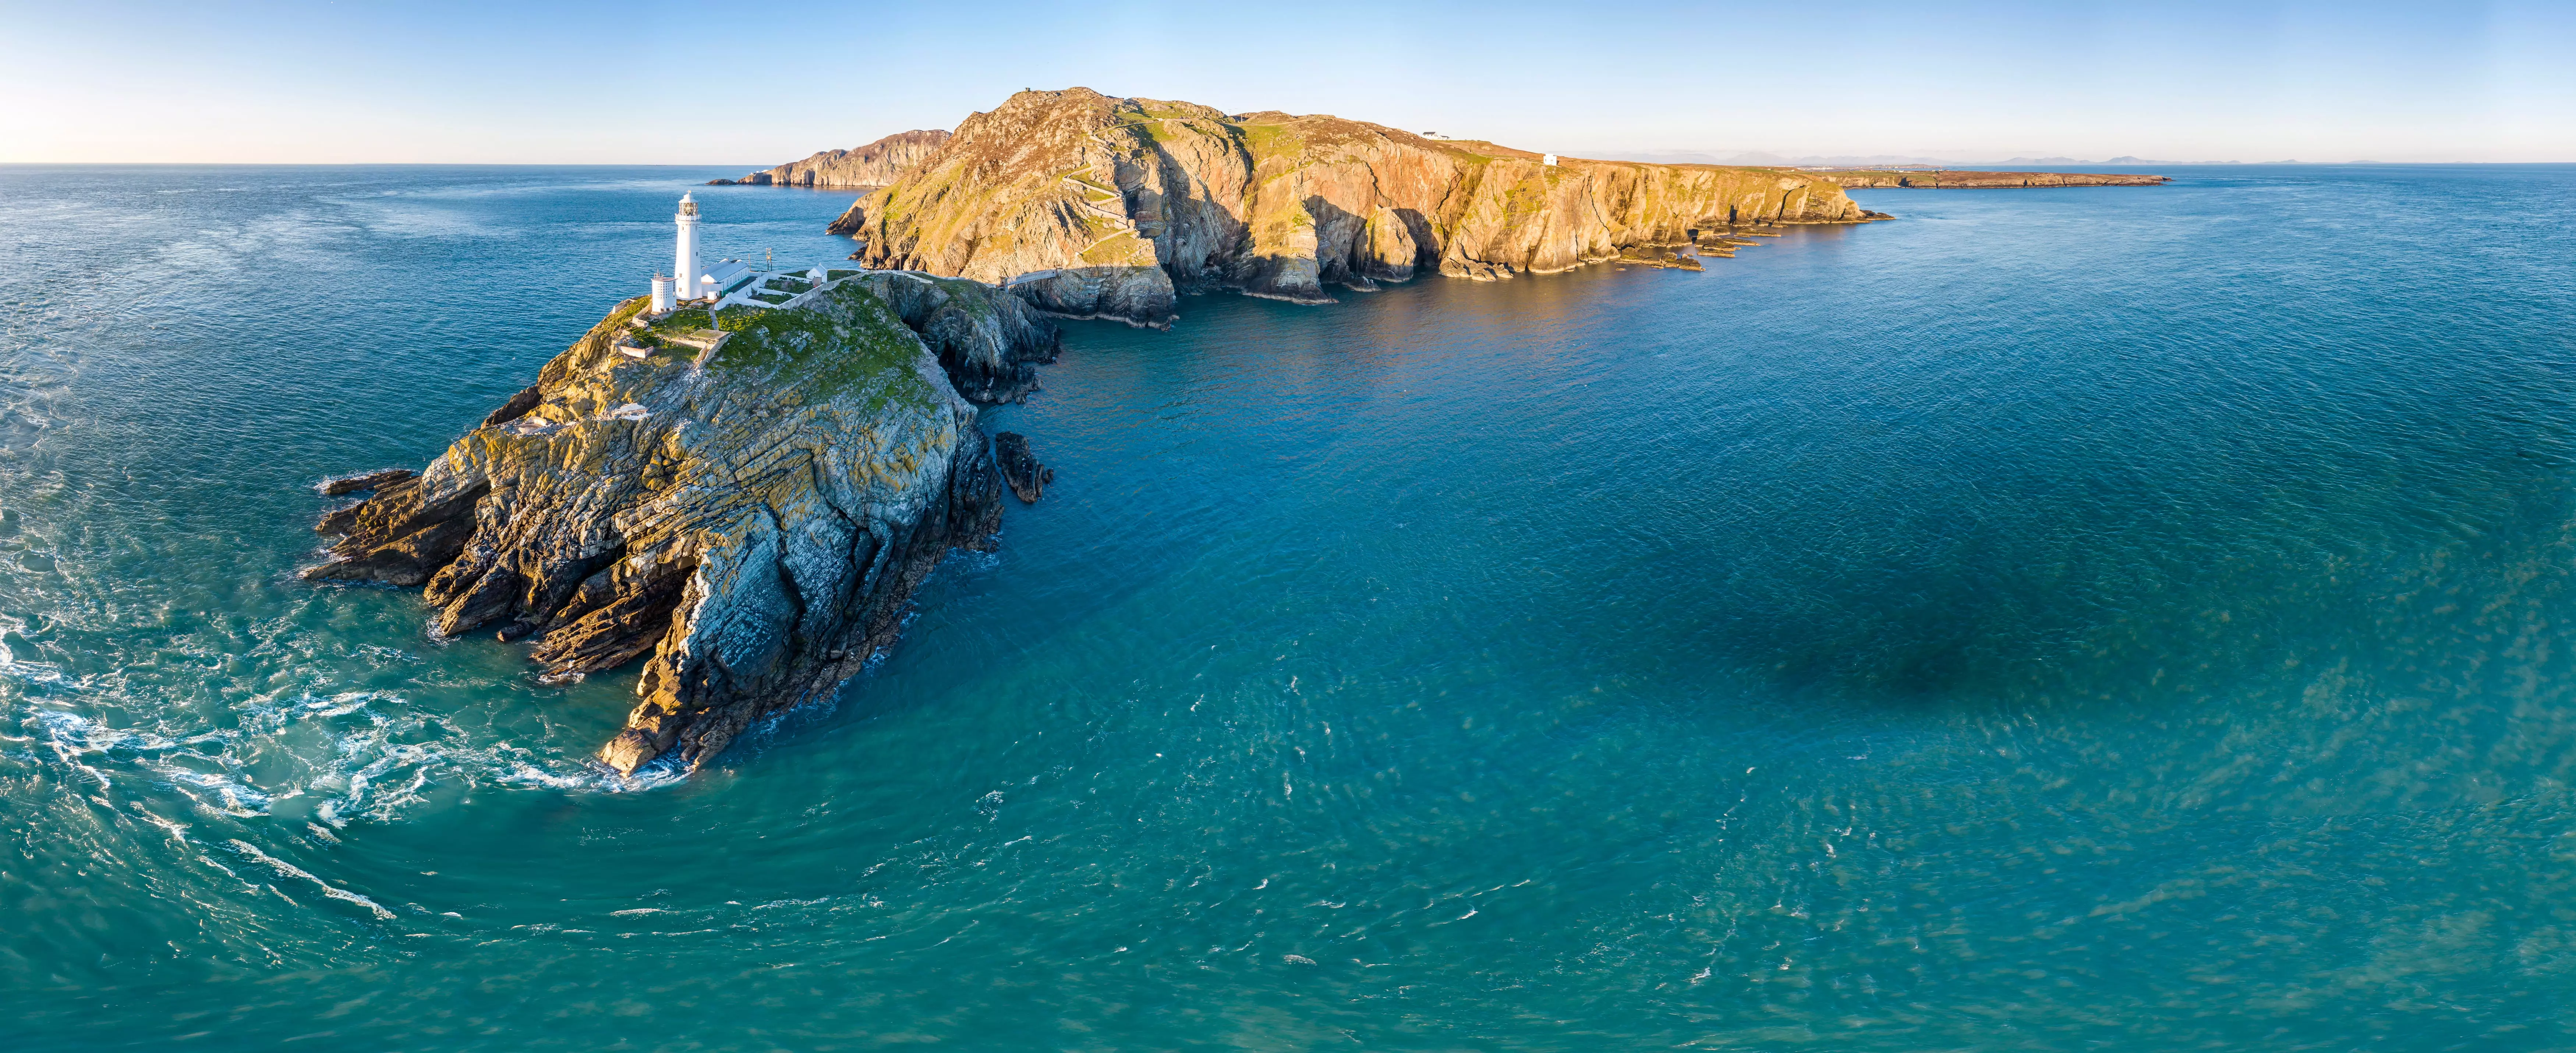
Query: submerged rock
[748, 517]
[1092, 206]
[1027, 478]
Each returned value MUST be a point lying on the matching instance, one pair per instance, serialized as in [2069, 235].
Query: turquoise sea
[2091, 619]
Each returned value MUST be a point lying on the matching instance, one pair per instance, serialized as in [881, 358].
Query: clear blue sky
[759, 83]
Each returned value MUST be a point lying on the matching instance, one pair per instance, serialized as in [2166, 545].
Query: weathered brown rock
[1654, 256]
[1020, 469]
[514, 407]
[750, 519]
[867, 167]
[1091, 206]
[350, 484]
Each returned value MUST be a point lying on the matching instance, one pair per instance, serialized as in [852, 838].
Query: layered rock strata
[867, 167]
[1946, 179]
[1092, 206]
[350, 484]
[746, 507]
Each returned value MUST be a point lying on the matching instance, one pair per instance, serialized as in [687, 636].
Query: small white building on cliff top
[716, 279]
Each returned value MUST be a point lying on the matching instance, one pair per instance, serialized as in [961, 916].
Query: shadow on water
[1954, 523]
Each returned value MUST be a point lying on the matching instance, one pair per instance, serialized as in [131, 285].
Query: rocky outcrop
[1654, 256]
[746, 507]
[1020, 469]
[873, 165]
[350, 484]
[989, 343]
[1951, 179]
[1092, 206]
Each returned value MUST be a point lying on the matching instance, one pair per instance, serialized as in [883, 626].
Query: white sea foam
[361, 756]
[178, 831]
[223, 793]
[286, 869]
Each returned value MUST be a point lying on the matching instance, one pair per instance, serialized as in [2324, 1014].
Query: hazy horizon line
[1639, 157]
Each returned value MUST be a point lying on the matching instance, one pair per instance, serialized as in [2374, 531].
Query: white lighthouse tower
[685, 262]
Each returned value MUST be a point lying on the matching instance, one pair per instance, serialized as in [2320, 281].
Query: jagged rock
[1653, 256]
[1020, 469]
[515, 407]
[752, 518]
[350, 484]
[867, 167]
[1091, 206]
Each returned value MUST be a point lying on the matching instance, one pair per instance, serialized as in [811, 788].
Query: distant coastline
[1956, 179]
[865, 168]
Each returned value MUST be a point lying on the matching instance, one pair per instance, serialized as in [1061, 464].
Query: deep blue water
[2056, 619]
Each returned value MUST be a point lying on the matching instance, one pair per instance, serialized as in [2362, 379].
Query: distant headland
[864, 168]
[1092, 206]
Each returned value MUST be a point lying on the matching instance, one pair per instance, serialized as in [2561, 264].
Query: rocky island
[744, 501]
[1091, 206]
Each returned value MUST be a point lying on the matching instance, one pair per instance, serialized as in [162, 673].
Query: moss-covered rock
[748, 499]
[988, 341]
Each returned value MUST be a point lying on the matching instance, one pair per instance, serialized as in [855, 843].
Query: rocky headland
[864, 168]
[745, 502]
[1951, 179]
[1091, 206]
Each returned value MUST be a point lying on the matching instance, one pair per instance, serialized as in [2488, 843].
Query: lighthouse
[684, 265]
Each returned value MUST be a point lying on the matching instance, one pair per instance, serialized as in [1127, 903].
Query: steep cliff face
[1949, 179]
[873, 165]
[990, 344]
[747, 512]
[1092, 206]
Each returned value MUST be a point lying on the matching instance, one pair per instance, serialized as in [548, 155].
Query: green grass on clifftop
[866, 354]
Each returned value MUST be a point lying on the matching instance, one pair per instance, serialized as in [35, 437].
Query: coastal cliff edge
[1093, 206]
[746, 502]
